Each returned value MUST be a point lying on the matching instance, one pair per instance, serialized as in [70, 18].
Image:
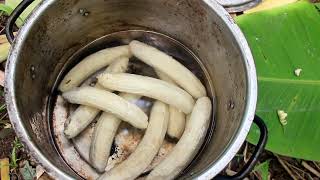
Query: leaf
[27, 172]
[4, 51]
[14, 3]
[317, 6]
[263, 169]
[282, 40]
[8, 10]
[16, 146]
[4, 169]
[3, 106]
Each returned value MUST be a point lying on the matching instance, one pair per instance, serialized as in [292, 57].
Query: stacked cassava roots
[181, 109]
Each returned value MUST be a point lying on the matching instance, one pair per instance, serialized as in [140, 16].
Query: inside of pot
[60, 29]
[76, 153]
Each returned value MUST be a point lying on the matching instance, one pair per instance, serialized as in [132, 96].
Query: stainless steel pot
[57, 29]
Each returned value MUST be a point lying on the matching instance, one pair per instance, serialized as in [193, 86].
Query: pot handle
[13, 17]
[254, 158]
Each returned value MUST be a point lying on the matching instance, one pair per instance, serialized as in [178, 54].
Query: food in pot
[189, 143]
[151, 142]
[168, 65]
[104, 133]
[174, 111]
[177, 121]
[84, 115]
[150, 87]
[108, 102]
[92, 64]
[177, 118]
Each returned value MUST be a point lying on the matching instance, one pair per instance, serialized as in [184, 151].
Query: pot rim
[208, 173]
[251, 101]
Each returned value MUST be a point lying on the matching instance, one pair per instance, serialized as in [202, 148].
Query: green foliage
[28, 172]
[282, 40]
[263, 169]
[2, 107]
[14, 3]
[7, 10]
[13, 159]
[10, 5]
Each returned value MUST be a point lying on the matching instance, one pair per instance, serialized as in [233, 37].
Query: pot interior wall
[66, 26]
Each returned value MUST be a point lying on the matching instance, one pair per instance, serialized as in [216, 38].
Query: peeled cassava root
[177, 118]
[188, 145]
[174, 92]
[168, 65]
[108, 102]
[92, 64]
[147, 149]
[84, 115]
[104, 133]
[150, 87]
[177, 121]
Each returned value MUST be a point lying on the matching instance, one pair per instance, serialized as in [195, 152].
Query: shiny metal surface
[57, 29]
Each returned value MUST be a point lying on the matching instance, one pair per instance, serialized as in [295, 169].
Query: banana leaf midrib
[289, 81]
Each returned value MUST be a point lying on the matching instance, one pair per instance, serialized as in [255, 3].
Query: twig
[2, 29]
[255, 173]
[3, 116]
[229, 172]
[245, 151]
[294, 167]
[229, 165]
[286, 167]
[309, 177]
[316, 165]
[311, 169]
[297, 169]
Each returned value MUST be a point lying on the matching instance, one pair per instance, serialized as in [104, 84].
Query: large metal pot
[57, 29]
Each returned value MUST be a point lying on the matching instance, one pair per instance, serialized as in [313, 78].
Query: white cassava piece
[84, 115]
[147, 149]
[108, 102]
[149, 87]
[188, 145]
[168, 65]
[104, 133]
[92, 64]
[177, 119]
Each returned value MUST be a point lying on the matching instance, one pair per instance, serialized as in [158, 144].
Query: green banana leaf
[282, 40]
[10, 5]
[7, 10]
[14, 3]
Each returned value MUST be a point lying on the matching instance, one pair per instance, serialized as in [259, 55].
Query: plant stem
[286, 168]
[311, 169]
[317, 165]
